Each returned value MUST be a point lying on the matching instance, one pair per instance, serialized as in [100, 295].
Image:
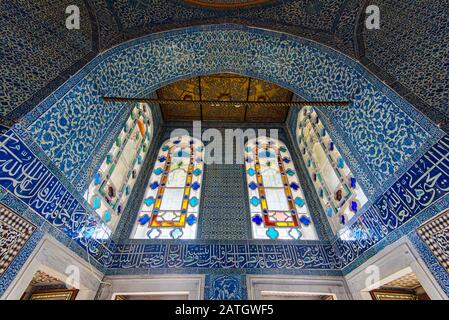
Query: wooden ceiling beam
[234, 104]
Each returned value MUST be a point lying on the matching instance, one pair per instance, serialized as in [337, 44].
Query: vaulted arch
[388, 131]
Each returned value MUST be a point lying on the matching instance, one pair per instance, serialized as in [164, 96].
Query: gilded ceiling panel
[266, 91]
[182, 90]
[224, 87]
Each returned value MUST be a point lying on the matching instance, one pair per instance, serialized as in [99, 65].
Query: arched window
[111, 186]
[340, 194]
[277, 204]
[170, 207]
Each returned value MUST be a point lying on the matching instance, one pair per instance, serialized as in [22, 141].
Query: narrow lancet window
[277, 204]
[111, 186]
[170, 208]
[338, 189]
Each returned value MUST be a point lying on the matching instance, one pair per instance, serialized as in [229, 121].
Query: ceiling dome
[223, 4]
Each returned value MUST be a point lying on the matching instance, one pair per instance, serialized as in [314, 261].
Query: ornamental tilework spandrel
[385, 131]
[37, 59]
[418, 31]
[27, 179]
[417, 189]
[14, 233]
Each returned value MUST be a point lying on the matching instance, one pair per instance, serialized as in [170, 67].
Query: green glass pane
[101, 189]
[111, 169]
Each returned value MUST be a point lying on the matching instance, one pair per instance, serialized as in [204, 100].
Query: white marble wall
[190, 287]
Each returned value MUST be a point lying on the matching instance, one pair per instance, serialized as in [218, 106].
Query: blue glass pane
[299, 201]
[304, 220]
[191, 219]
[255, 201]
[252, 185]
[341, 163]
[149, 201]
[257, 220]
[176, 233]
[272, 233]
[353, 182]
[144, 219]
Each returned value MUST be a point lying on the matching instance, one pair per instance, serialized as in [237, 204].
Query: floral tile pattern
[274, 57]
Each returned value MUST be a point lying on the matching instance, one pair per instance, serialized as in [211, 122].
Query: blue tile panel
[412, 47]
[30, 185]
[225, 287]
[312, 255]
[22, 256]
[36, 60]
[387, 131]
[412, 195]
[69, 133]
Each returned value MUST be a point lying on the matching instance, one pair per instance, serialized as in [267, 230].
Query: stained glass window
[277, 204]
[339, 192]
[170, 208]
[111, 186]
